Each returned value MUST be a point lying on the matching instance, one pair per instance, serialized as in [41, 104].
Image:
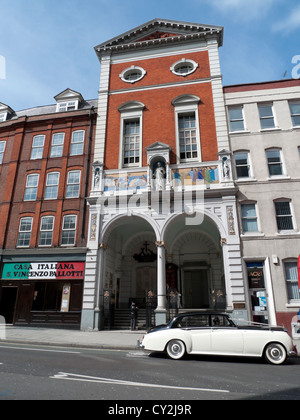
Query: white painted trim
[122, 57]
[125, 116]
[161, 86]
[184, 108]
[270, 295]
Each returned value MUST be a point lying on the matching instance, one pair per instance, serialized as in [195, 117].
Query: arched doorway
[197, 253]
[129, 267]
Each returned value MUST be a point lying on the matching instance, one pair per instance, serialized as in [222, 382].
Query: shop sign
[256, 278]
[43, 271]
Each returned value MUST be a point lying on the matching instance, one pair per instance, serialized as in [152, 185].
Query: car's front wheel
[175, 349]
[275, 353]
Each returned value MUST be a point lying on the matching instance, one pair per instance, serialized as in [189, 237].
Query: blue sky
[48, 45]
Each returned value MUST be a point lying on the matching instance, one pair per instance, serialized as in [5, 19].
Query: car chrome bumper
[294, 352]
[139, 345]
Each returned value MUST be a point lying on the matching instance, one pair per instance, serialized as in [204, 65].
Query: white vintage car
[217, 334]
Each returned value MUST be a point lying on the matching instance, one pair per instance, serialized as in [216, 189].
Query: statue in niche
[159, 175]
[226, 168]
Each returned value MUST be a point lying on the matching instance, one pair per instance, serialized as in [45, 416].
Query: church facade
[162, 206]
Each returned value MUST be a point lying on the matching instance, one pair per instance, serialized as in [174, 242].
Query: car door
[226, 339]
[199, 331]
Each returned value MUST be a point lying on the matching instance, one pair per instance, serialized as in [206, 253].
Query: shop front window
[47, 296]
[257, 292]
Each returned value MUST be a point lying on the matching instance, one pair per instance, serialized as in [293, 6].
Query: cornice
[133, 39]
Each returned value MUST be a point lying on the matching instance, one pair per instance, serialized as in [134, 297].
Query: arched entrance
[127, 268]
[197, 253]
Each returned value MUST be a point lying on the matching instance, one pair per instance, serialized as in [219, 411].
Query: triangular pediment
[6, 108]
[157, 35]
[160, 32]
[158, 146]
[68, 94]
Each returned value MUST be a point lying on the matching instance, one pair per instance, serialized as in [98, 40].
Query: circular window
[133, 74]
[184, 67]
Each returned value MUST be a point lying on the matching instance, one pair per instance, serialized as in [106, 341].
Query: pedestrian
[133, 314]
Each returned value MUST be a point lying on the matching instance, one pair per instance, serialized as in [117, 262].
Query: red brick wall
[285, 319]
[17, 165]
[159, 121]
[158, 71]
[158, 115]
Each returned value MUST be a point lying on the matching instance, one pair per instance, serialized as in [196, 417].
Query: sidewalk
[121, 339]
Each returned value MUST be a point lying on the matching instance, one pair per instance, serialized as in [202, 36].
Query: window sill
[252, 235]
[246, 179]
[288, 232]
[278, 178]
[264, 130]
[294, 304]
[239, 132]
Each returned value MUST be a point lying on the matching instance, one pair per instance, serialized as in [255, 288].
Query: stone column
[161, 311]
[99, 310]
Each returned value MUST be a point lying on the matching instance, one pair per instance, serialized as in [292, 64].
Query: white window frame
[132, 70]
[38, 147]
[70, 185]
[2, 144]
[249, 232]
[280, 162]
[24, 232]
[289, 285]
[266, 118]
[294, 115]
[185, 105]
[290, 215]
[59, 146]
[230, 108]
[46, 231]
[248, 165]
[30, 188]
[67, 106]
[181, 63]
[129, 112]
[75, 142]
[52, 186]
[64, 229]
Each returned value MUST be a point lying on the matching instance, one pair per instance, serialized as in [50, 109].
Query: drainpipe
[87, 169]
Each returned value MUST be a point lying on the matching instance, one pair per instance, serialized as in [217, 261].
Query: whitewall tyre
[175, 349]
[275, 354]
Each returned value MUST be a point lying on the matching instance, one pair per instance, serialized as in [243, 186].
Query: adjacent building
[264, 125]
[45, 155]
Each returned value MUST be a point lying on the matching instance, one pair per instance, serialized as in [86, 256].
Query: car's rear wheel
[175, 349]
[275, 353]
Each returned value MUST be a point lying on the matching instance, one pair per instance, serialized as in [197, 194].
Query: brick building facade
[163, 221]
[44, 178]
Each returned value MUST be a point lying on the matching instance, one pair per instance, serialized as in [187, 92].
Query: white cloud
[290, 23]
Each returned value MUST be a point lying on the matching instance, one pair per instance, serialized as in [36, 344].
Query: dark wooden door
[24, 303]
[8, 297]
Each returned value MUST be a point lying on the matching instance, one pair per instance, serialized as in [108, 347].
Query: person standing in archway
[133, 315]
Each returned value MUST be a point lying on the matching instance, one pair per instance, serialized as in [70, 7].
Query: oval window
[133, 74]
[184, 67]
